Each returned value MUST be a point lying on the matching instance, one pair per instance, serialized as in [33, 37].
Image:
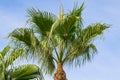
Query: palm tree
[58, 41]
[23, 72]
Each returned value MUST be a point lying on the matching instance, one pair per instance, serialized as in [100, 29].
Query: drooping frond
[82, 49]
[13, 56]
[1, 67]
[26, 72]
[47, 64]
[78, 56]
[89, 51]
[25, 38]
[92, 31]
[5, 50]
[46, 57]
[42, 20]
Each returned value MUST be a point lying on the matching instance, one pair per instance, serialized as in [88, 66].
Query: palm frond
[42, 20]
[66, 27]
[47, 64]
[2, 68]
[90, 50]
[77, 12]
[5, 50]
[26, 72]
[46, 57]
[92, 31]
[78, 56]
[13, 56]
[25, 38]
[82, 48]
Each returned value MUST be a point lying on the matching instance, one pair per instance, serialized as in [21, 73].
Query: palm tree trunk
[60, 73]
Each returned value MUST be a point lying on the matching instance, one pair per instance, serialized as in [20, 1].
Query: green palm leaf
[13, 56]
[25, 38]
[46, 58]
[77, 12]
[66, 27]
[93, 31]
[82, 48]
[26, 72]
[5, 50]
[42, 21]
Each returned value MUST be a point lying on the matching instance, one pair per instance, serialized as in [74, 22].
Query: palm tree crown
[58, 40]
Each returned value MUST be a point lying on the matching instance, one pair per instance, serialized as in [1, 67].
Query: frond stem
[54, 59]
[55, 52]
[71, 53]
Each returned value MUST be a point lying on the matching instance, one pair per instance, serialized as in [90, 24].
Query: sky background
[106, 64]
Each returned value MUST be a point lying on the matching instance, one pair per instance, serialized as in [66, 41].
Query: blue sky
[105, 65]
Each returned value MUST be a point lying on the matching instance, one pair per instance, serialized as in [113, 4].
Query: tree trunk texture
[60, 73]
